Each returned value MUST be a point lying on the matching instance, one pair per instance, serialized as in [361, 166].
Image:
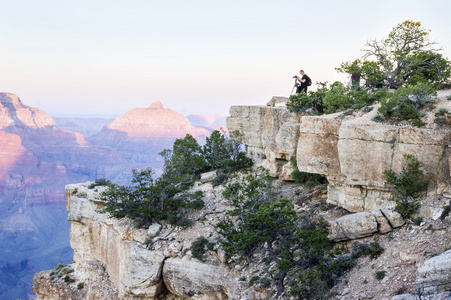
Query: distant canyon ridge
[39, 155]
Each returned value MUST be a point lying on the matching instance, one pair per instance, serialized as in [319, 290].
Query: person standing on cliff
[303, 82]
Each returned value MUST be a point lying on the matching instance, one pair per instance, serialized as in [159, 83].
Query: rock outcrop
[362, 224]
[14, 113]
[351, 152]
[435, 275]
[131, 270]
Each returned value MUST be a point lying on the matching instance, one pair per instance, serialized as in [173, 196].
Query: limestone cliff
[352, 152]
[112, 261]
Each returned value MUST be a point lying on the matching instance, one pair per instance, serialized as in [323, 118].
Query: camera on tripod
[295, 76]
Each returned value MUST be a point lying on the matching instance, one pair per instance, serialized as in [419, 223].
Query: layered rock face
[130, 270]
[352, 153]
[14, 113]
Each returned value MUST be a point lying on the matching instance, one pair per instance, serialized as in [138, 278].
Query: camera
[294, 76]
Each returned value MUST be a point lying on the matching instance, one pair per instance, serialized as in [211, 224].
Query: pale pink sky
[102, 58]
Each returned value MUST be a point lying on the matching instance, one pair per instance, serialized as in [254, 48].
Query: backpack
[309, 81]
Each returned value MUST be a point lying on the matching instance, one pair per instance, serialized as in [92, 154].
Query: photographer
[303, 82]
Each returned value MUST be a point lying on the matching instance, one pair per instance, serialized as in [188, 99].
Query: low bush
[219, 179]
[334, 98]
[418, 123]
[407, 186]
[294, 248]
[99, 182]
[405, 102]
[68, 279]
[379, 275]
[149, 244]
[373, 249]
[417, 221]
[198, 248]
[184, 222]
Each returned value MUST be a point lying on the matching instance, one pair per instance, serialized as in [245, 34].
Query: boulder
[394, 218]
[435, 274]
[191, 278]
[153, 230]
[278, 101]
[208, 177]
[353, 226]
[382, 222]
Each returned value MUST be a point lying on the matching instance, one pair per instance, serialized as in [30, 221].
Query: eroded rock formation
[351, 152]
[130, 269]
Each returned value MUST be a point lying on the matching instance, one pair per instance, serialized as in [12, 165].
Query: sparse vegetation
[68, 279]
[417, 221]
[295, 248]
[148, 200]
[149, 244]
[407, 186]
[406, 61]
[198, 248]
[405, 102]
[418, 123]
[219, 179]
[373, 249]
[99, 182]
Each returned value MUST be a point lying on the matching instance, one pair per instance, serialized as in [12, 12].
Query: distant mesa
[14, 113]
[155, 121]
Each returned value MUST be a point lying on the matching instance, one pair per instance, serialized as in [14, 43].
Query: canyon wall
[112, 260]
[351, 152]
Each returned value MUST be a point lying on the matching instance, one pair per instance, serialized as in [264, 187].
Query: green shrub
[407, 186]
[264, 282]
[418, 123]
[99, 182]
[380, 275]
[358, 249]
[149, 244]
[441, 112]
[148, 200]
[405, 102]
[217, 150]
[378, 118]
[344, 263]
[440, 121]
[374, 250]
[335, 98]
[290, 245]
[312, 102]
[184, 222]
[80, 286]
[68, 279]
[445, 212]
[219, 179]
[198, 248]
[210, 246]
[253, 280]
[417, 221]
